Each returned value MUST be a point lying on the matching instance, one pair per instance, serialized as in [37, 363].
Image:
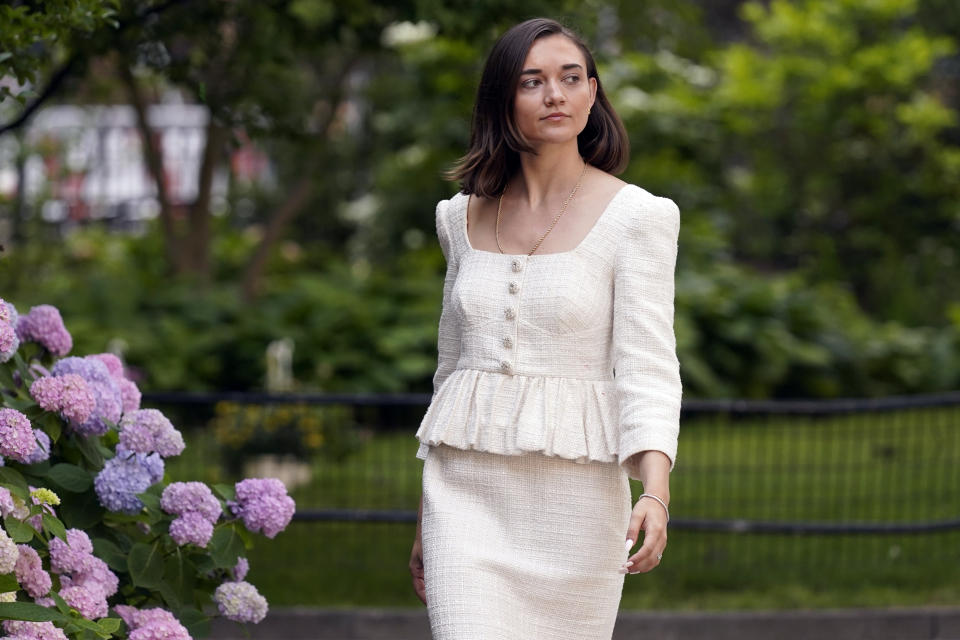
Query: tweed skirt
[522, 547]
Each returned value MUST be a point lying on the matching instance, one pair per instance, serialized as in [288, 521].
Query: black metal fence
[802, 495]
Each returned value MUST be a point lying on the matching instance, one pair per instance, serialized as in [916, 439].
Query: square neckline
[583, 241]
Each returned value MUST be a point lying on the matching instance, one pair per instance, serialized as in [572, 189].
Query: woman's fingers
[416, 571]
[654, 527]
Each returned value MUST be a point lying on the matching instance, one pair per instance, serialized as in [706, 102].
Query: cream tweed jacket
[569, 354]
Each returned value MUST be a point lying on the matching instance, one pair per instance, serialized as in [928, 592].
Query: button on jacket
[569, 354]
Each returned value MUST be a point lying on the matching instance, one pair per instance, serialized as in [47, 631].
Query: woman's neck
[549, 175]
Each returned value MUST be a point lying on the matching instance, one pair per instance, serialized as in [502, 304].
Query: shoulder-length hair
[495, 140]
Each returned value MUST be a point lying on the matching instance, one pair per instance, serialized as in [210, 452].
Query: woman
[557, 378]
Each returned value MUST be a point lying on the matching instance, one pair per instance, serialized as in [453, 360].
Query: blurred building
[76, 164]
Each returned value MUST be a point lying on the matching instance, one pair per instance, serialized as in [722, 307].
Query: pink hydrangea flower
[17, 440]
[130, 395]
[151, 624]
[46, 392]
[9, 342]
[30, 574]
[9, 553]
[89, 601]
[23, 630]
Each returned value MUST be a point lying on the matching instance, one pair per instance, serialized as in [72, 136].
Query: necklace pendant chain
[576, 188]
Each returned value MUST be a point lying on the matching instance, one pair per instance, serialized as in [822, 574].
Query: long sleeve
[646, 368]
[448, 334]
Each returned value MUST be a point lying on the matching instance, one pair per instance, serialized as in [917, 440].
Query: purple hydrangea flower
[9, 554]
[198, 510]
[130, 395]
[30, 573]
[240, 571]
[124, 476]
[41, 451]
[7, 507]
[151, 624]
[264, 505]
[7, 313]
[191, 528]
[240, 602]
[16, 435]
[9, 342]
[95, 576]
[108, 400]
[44, 325]
[23, 630]
[111, 361]
[147, 431]
[70, 556]
[180, 498]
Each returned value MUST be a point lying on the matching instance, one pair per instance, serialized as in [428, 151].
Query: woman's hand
[416, 560]
[648, 514]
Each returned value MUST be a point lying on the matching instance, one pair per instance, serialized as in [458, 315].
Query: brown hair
[496, 142]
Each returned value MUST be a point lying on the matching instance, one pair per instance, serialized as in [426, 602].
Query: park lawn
[845, 468]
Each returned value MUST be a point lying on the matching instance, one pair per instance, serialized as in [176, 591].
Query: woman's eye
[530, 84]
[572, 79]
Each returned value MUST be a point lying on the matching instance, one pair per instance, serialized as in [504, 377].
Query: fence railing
[816, 492]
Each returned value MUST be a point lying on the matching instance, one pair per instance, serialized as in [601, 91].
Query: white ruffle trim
[571, 418]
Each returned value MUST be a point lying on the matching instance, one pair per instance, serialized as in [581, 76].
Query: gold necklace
[576, 187]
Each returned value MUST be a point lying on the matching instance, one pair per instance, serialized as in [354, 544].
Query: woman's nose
[554, 94]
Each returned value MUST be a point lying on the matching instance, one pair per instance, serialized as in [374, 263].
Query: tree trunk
[197, 240]
[154, 159]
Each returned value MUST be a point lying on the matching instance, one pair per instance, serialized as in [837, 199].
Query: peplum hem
[489, 411]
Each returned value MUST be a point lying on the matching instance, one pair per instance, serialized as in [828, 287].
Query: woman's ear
[593, 91]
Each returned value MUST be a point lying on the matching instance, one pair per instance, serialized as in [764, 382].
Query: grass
[893, 467]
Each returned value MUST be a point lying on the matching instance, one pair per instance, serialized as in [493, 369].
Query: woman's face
[554, 93]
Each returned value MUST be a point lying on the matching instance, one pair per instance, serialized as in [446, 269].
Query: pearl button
[505, 365]
[516, 265]
[508, 342]
[514, 287]
[509, 313]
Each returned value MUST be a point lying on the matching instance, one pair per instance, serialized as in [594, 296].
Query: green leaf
[196, 622]
[53, 526]
[60, 602]
[20, 404]
[8, 582]
[29, 612]
[13, 477]
[82, 512]
[226, 545]
[109, 625]
[88, 447]
[151, 500]
[19, 532]
[110, 553]
[179, 574]
[71, 477]
[145, 564]
[52, 424]
[226, 491]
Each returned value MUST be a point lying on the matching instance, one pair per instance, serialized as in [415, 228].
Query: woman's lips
[556, 117]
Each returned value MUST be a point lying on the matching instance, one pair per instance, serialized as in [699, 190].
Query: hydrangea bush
[93, 542]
